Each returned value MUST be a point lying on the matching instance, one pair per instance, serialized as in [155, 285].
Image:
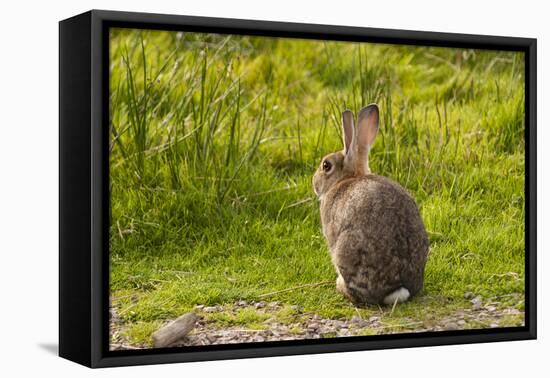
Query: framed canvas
[235, 188]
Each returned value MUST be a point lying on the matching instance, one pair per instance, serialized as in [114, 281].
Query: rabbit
[377, 240]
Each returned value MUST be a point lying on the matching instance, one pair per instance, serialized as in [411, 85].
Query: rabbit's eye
[327, 166]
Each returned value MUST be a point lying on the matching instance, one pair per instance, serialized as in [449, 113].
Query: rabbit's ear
[367, 128]
[347, 130]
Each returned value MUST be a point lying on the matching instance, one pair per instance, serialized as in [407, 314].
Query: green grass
[214, 141]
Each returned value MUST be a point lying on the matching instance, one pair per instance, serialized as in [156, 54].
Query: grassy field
[214, 141]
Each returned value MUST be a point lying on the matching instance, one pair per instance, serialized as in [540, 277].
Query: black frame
[84, 187]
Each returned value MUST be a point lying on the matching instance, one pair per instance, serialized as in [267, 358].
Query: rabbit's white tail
[399, 295]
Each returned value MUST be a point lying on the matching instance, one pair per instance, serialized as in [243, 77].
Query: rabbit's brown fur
[374, 231]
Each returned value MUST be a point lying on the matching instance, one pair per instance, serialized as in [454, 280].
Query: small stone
[273, 304]
[210, 309]
[374, 319]
[494, 325]
[340, 324]
[242, 303]
[199, 307]
[476, 303]
[314, 326]
[461, 322]
[258, 339]
[211, 338]
[468, 295]
[344, 332]
[491, 308]
[259, 305]
[451, 326]
[296, 308]
[359, 322]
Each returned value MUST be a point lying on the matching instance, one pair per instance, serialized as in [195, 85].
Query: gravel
[313, 326]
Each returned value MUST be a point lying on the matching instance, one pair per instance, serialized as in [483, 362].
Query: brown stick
[296, 288]
[174, 331]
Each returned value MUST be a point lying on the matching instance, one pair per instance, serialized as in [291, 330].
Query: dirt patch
[312, 326]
